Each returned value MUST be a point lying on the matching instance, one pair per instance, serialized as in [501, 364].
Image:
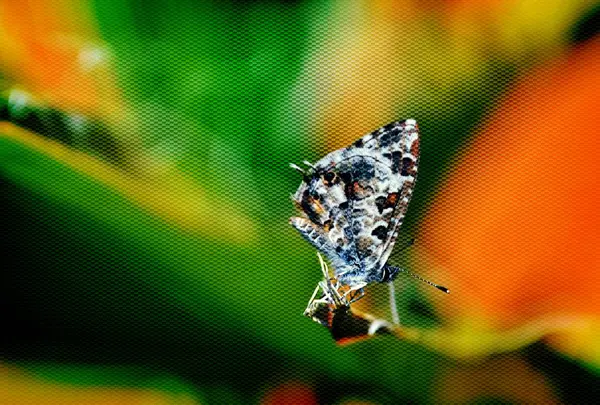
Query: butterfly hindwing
[357, 197]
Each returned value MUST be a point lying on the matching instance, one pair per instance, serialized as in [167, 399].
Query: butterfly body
[354, 200]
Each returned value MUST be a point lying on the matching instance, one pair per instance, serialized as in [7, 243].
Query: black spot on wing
[363, 169]
[380, 232]
[396, 161]
[385, 140]
[359, 212]
[328, 177]
[391, 134]
[346, 176]
[380, 203]
[349, 191]
[388, 201]
[407, 165]
[308, 207]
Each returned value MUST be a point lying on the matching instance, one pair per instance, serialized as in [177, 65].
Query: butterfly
[354, 201]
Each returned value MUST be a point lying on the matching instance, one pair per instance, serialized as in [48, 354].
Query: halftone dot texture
[144, 151]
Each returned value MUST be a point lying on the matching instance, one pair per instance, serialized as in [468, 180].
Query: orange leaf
[516, 229]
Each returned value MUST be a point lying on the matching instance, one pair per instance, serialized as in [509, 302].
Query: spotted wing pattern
[354, 201]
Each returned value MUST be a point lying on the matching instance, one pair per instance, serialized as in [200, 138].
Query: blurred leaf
[117, 282]
[172, 197]
[61, 385]
[506, 378]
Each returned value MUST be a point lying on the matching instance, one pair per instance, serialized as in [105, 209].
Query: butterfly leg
[355, 293]
[308, 310]
[359, 294]
[393, 305]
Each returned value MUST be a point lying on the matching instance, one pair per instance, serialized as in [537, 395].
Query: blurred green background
[144, 156]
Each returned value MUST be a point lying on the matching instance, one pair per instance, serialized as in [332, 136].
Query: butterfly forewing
[356, 198]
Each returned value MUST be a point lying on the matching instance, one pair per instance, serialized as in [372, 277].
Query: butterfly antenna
[296, 167]
[393, 306]
[324, 268]
[439, 287]
[307, 163]
[337, 298]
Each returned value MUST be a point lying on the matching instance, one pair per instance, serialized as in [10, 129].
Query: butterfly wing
[358, 196]
[405, 165]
